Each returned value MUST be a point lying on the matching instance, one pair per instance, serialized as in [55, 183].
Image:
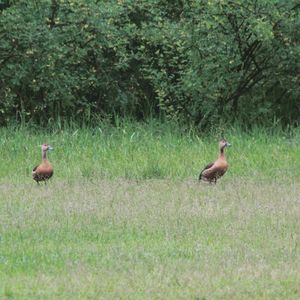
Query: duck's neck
[222, 153]
[44, 156]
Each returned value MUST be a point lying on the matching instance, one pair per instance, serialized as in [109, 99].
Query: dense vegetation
[203, 62]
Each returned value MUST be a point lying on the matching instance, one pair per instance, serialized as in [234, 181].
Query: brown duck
[213, 171]
[43, 171]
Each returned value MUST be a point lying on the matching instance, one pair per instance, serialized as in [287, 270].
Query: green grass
[144, 151]
[125, 218]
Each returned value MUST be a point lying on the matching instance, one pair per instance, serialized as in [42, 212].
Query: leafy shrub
[201, 62]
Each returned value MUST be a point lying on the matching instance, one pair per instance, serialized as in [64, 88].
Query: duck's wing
[34, 173]
[205, 168]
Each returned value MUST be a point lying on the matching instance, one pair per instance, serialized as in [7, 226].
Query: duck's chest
[221, 164]
[45, 168]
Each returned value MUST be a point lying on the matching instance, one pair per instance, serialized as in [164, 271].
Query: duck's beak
[228, 144]
[50, 148]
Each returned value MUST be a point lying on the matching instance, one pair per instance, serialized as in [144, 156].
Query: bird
[43, 171]
[213, 171]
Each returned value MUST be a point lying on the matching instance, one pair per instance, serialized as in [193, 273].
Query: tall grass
[150, 150]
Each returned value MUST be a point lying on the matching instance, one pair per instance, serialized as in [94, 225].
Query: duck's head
[223, 143]
[46, 147]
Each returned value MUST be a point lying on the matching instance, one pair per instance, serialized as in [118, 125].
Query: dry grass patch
[151, 239]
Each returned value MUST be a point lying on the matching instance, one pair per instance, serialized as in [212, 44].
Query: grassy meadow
[124, 216]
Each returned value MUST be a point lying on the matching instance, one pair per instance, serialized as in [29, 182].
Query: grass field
[125, 218]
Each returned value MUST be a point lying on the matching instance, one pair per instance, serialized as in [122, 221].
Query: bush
[200, 62]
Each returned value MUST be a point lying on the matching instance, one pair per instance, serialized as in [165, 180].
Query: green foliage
[200, 62]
